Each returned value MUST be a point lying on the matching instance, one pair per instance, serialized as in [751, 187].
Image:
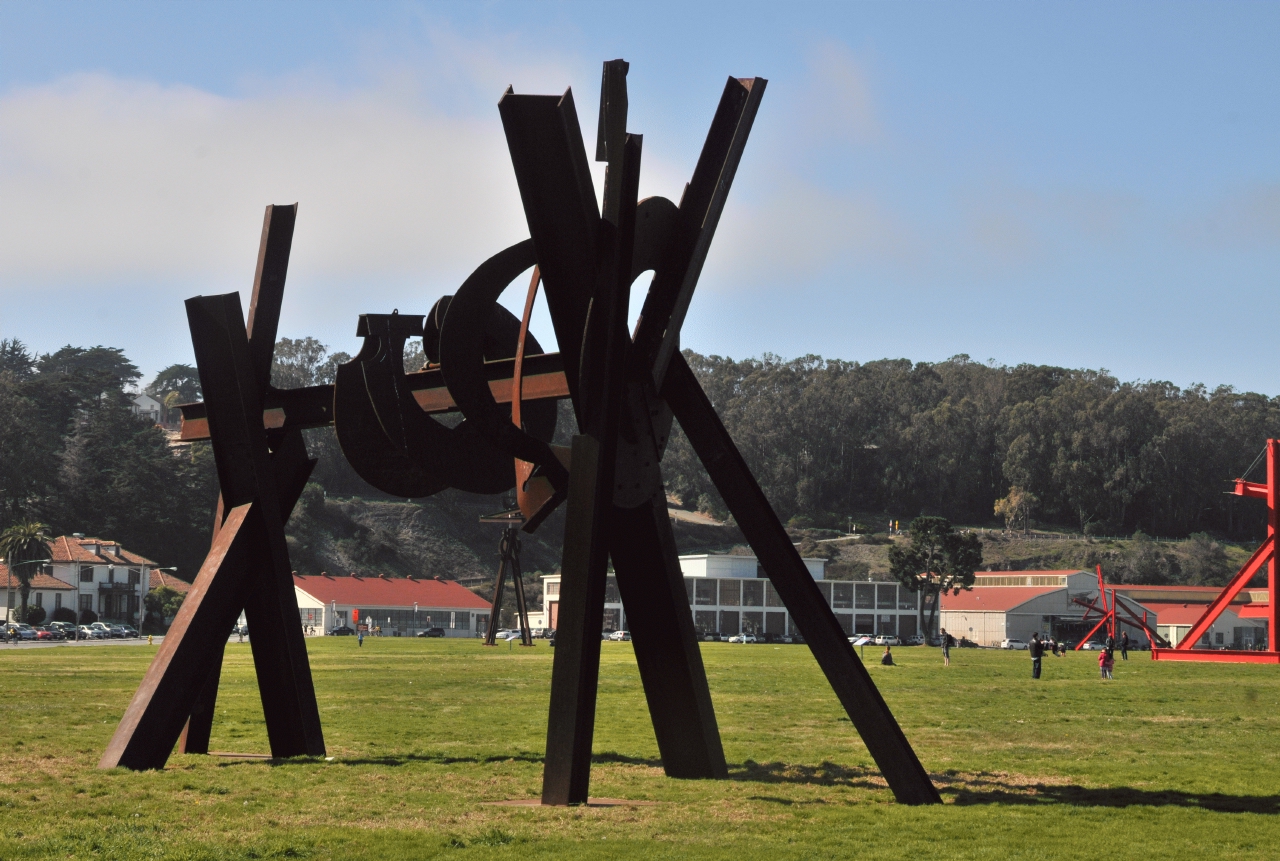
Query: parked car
[1093, 646]
[886, 640]
[1013, 644]
[130, 631]
[103, 628]
[743, 638]
[69, 631]
[21, 631]
[621, 636]
[84, 632]
[118, 632]
[916, 640]
[432, 632]
[342, 631]
[43, 633]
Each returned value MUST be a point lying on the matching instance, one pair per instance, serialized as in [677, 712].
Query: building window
[887, 625]
[705, 621]
[40, 603]
[135, 576]
[771, 596]
[886, 597]
[688, 590]
[753, 593]
[906, 599]
[728, 621]
[462, 621]
[864, 623]
[611, 591]
[86, 602]
[86, 574]
[1217, 638]
[842, 595]
[753, 622]
[612, 619]
[553, 589]
[111, 574]
[775, 623]
[865, 597]
[57, 600]
[906, 626]
[846, 623]
[133, 603]
[704, 592]
[825, 588]
[731, 594]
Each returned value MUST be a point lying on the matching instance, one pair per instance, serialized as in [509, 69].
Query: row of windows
[57, 599]
[768, 622]
[457, 619]
[86, 575]
[760, 593]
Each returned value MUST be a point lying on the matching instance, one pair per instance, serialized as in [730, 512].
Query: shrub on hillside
[35, 616]
[64, 614]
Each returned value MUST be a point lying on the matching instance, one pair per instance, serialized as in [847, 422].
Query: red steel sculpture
[626, 389]
[1113, 612]
[1265, 555]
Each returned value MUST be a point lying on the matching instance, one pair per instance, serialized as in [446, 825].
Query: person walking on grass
[360, 638]
[1124, 645]
[946, 648]
[1037, 655]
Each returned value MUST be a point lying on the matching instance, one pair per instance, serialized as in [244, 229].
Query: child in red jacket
[1105, 663]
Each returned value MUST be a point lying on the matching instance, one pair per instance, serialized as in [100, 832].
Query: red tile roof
[160, 578]
[995, 598]
[1066, 572]
[68, 548]
[1179, 614]
[389, 592]
[40, 581]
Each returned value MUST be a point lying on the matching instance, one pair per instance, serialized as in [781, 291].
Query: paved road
[50, 644]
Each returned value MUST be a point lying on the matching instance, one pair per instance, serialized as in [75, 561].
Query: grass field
[1169, 761]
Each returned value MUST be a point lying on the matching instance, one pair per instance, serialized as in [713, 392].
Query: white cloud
[106, 180]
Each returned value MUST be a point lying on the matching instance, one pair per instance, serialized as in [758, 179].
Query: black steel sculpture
[508, 565]
[626, 389]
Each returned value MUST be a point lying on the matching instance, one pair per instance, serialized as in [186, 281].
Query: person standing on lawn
[1124, 645]
[1037, 655]
[946, 648]
[360, 637]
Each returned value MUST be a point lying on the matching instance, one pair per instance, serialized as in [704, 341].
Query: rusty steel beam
[852, 684]
[312, 407]
[647, 568]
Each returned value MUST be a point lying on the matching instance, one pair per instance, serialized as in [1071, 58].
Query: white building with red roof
[87, 574]
[1242, 624]
[401, 606]
[1016, 604]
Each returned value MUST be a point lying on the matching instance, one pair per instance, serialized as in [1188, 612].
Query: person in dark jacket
[1124, 645]
[1037, 654]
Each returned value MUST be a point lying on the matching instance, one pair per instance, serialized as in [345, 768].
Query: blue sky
[1090, 185]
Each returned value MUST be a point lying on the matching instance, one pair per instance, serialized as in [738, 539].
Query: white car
[743, 638]
[887, 640]
[621, 636]
[1013, 644]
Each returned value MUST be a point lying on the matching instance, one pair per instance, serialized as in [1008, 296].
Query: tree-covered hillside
[830, 439]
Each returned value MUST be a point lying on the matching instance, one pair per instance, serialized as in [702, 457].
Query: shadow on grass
[983, 789]
[825, 774]
[399, 759]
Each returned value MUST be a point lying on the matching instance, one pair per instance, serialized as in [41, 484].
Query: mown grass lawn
[1168, 761]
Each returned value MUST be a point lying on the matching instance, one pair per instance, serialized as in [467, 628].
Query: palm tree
[25, 546]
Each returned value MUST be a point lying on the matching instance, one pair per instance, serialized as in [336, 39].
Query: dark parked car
[342, 631]
[130, 631]
[432, 632]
